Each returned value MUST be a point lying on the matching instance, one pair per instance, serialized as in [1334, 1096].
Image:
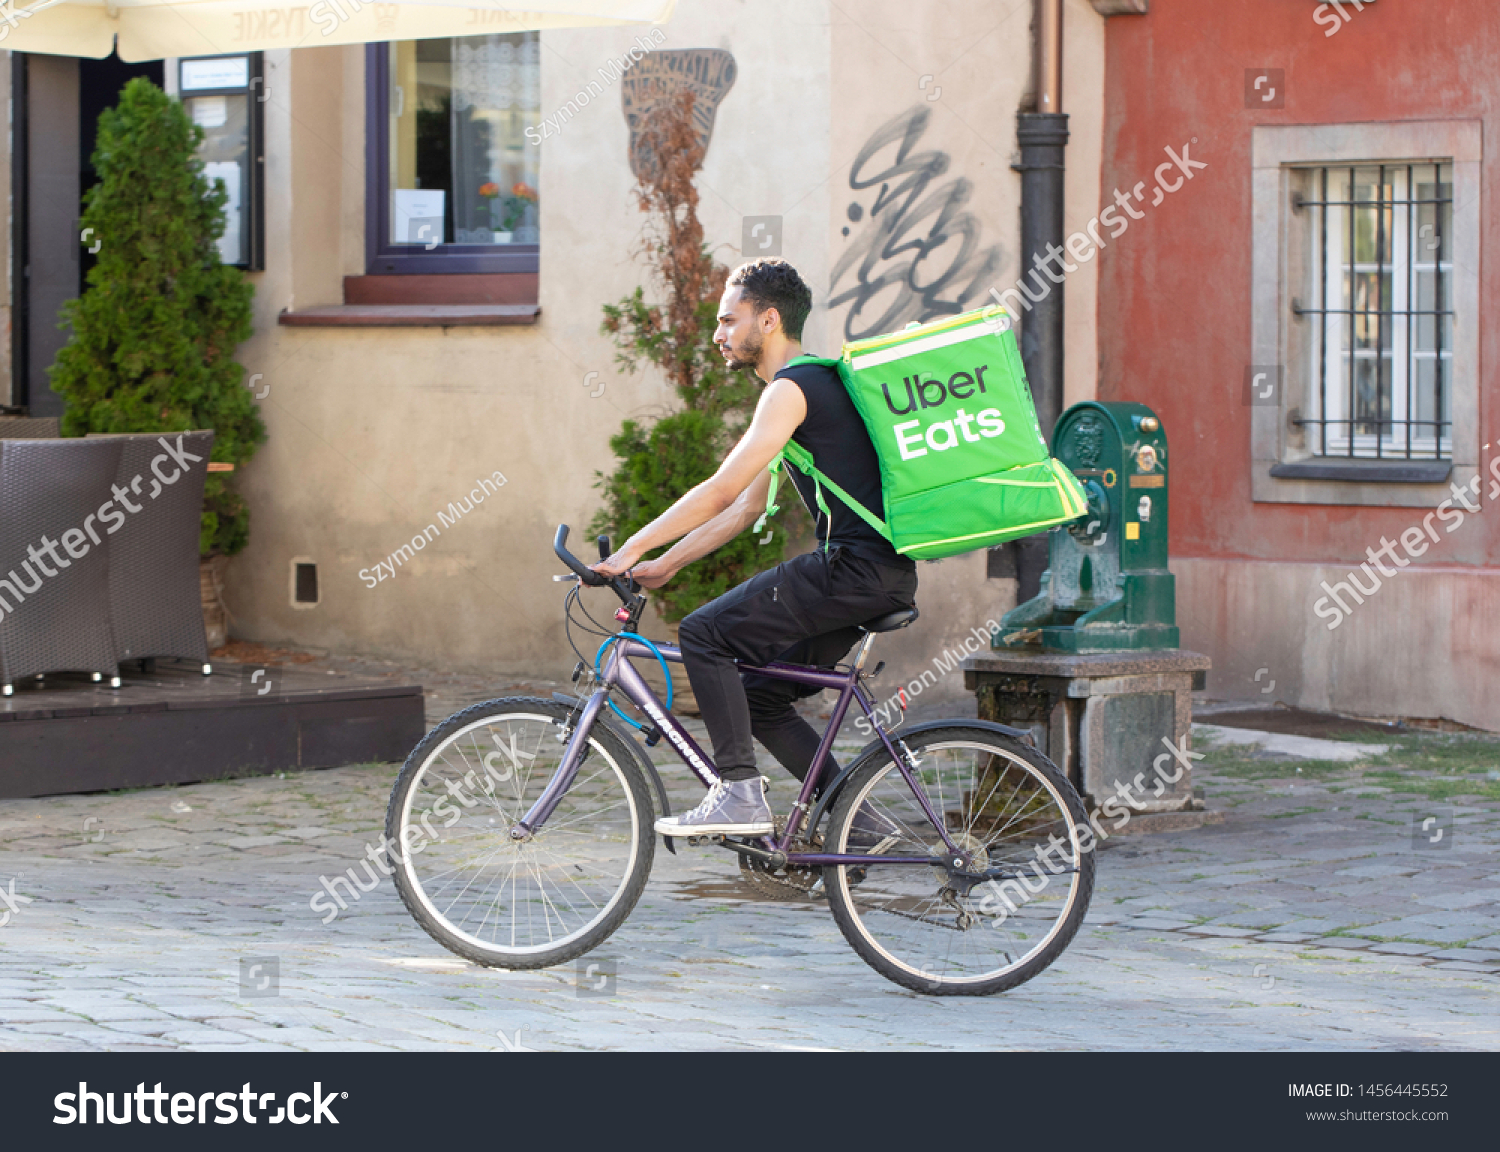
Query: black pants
[804, 611]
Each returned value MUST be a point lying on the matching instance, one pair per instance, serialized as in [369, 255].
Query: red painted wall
[1174, 319]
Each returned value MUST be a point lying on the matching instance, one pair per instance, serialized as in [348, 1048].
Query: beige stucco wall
[1083, 101]
[373, 431]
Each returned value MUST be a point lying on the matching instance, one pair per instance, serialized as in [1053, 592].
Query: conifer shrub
[153, 336]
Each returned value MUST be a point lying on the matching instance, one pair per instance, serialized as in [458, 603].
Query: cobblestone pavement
[1320, 914]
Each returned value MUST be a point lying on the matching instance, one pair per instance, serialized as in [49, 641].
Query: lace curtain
[496, 93]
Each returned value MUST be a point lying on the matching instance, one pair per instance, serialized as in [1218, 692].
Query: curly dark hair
[770, 283]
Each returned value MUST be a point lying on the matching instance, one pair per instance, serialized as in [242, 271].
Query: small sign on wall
[224, 95]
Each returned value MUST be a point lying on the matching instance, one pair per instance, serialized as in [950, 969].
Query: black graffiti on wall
[919, 254]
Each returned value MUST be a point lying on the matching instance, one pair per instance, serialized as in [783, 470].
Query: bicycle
[921, 842]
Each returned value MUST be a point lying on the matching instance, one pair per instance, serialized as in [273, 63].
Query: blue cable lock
[660, 659]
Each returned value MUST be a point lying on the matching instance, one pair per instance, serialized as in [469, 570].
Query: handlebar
[623, 588]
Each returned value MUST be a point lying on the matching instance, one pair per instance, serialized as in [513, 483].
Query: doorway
[58, 100]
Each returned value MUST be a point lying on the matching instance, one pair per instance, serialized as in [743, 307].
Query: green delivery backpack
[963, 464]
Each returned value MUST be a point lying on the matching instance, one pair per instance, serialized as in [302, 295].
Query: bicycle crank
[782, 883]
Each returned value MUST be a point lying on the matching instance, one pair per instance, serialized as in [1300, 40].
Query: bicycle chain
[790, 884]
[794, 884]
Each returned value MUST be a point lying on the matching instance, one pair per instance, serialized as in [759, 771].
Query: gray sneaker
[732, 808]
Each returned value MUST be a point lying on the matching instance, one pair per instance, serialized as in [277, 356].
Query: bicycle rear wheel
[1016, 817]
[509, 904]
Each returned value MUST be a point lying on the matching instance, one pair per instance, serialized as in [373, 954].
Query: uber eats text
[941, 435]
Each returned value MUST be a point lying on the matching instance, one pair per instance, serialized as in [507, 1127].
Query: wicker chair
[134, 593]
[49, 489]
[155, 602]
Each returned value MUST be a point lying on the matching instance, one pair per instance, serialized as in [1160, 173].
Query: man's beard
[752, 348]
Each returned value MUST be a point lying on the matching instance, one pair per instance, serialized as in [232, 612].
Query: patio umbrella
[153, 29]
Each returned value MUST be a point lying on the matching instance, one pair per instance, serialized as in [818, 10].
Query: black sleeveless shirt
[835, 434]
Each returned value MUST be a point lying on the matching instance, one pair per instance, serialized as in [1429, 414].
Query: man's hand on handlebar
[609, 571]
[648, 574]
[618, 563]
[653, 573]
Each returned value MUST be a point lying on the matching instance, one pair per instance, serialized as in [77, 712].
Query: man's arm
[723, 501]
[724, 527]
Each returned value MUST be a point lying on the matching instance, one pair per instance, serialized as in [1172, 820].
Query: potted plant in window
[489, 191]
[520, 213]
[153, 336]
[515, 211]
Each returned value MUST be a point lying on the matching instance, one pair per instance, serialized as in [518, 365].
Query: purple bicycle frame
[619, 672]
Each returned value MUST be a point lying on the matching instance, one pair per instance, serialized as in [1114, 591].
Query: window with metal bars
[1379, 355]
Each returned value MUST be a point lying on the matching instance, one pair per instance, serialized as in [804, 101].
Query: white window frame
[1279, 255]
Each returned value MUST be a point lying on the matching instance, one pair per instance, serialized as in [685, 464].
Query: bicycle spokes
[974, 914]
[504, 895]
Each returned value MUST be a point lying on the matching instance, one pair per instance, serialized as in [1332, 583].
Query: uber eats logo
[941, 435]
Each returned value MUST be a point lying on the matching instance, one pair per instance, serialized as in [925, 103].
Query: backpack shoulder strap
[800, 458]
[807, 358]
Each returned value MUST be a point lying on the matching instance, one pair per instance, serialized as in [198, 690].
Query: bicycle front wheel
[491, 899]
[1023, 829]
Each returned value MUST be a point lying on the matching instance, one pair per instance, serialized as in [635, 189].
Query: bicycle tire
[608, 763]
[857, 895]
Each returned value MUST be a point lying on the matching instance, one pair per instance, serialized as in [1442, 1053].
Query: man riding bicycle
[806, 610]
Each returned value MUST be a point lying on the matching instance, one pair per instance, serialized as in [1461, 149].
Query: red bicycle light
[622, 614]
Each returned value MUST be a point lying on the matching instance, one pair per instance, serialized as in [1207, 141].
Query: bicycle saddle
[890, 621]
